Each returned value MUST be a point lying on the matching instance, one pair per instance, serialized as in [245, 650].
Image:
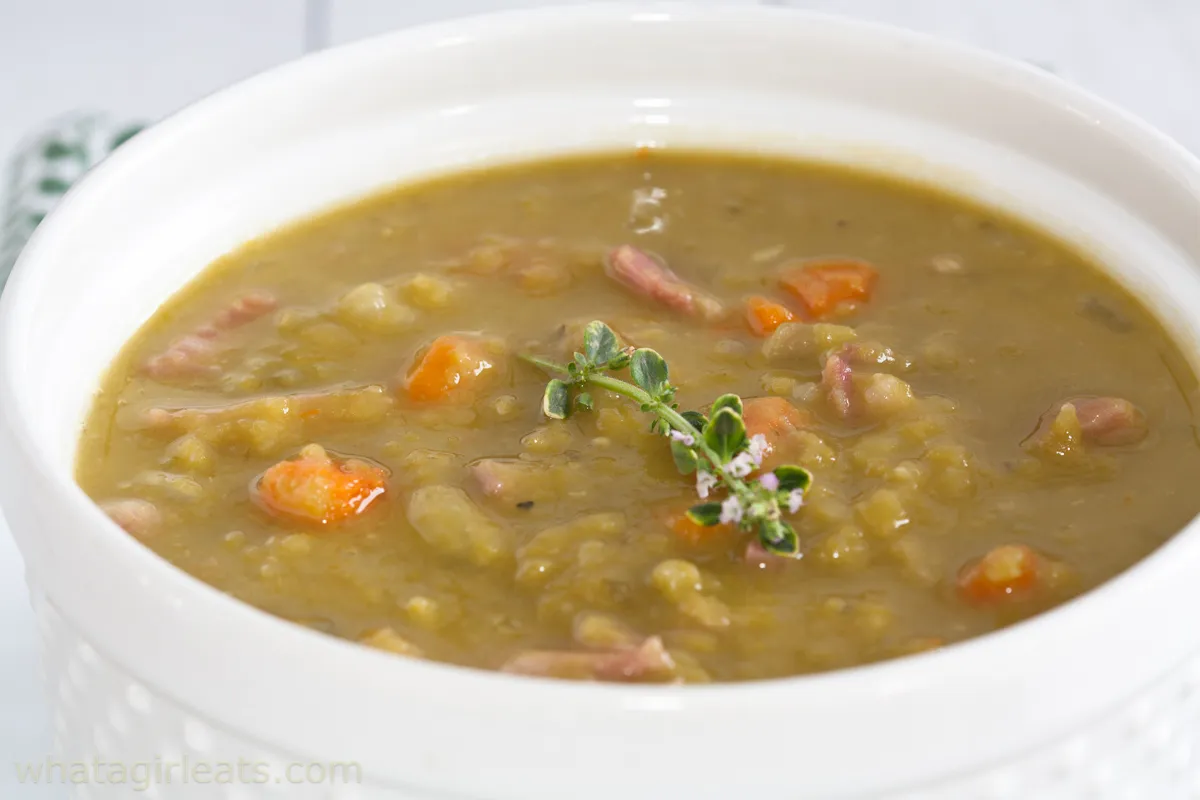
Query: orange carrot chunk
[773, 417]
[450, 364]
[825, 286]
[318, 488]
[764, 316]
[1003, 572]
[693, 533]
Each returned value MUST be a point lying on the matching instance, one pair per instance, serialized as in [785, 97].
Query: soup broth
[336, 424]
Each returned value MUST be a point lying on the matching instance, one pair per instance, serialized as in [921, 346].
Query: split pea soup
[659, 417]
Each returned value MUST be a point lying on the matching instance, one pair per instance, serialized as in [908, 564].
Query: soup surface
[335, 423]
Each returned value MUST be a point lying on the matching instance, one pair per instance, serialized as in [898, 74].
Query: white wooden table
[143, 58]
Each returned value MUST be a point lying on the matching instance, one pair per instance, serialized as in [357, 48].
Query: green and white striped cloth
[45, 166]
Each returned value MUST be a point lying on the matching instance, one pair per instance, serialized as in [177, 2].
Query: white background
[143, 58]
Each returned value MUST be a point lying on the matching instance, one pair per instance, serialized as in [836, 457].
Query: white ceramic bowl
[1098, 699]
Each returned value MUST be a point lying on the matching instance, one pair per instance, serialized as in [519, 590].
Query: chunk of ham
[837, 380]
[512, 481]
[1110, 420]
[139, 518]
[649, 661]
[642, 273]
[490, 475]
[1103, 421]
[493, 475]
[873, 354]
[245, 309]
[196, 353]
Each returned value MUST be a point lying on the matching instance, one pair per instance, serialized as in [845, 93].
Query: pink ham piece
[196, 353]
[1110, 420]
[1104, 421]
[139, 518]
[872, 354]
[513, 481]
[193, 354]
[639, 271]
[649, 661]
[495, 475]
[837, 380]
[245, 309]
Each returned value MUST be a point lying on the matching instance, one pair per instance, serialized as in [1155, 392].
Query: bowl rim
[923, 669]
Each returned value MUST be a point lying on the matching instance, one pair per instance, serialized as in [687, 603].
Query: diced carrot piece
[683, 527]
[1003, 572]
[318, 488]
[765, 316]
[449, 364]
[774, 418]
[823, 286]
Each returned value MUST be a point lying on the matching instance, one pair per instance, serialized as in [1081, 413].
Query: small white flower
[741, 465]
[758, 448]
[731, 510]
[769, 482]
[686, 438]
[705, 482]
[795, 500]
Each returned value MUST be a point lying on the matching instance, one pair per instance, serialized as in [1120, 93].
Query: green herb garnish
[714, 447]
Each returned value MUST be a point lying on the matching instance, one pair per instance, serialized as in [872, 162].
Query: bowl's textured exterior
[1146, 749]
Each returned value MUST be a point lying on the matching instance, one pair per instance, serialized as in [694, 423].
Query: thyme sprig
[716, 447]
